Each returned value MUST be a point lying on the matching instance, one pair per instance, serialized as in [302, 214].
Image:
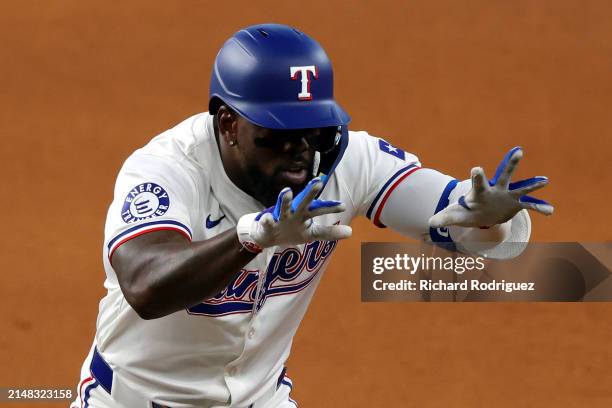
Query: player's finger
[330, 232]
[449, 216]
[267, 222]
[479, 180]
[277, 210]
[305, 197]
[319, 207]
[520, 188]
[507, 167]
[285, 207]
[322, 203]
[535, 204]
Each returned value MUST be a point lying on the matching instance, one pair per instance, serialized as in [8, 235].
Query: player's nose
[296, 144]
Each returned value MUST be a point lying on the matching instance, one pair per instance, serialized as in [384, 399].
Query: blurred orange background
[83, 84]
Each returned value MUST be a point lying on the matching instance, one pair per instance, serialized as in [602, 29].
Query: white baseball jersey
[230, 349]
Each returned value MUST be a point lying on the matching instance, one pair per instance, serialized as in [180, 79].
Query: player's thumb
[444, 218]
[331, 232]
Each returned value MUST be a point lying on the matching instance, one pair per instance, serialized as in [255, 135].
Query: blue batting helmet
[276, 77]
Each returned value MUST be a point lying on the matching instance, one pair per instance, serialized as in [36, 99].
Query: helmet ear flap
[326, 161]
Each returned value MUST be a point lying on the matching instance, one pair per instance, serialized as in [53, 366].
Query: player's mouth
[295, 176]
[294, 173]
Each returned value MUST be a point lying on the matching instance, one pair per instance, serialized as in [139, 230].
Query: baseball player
[221, 228]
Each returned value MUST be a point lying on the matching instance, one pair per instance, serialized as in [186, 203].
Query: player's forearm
[413, 201]
[417, 198]
[170, 276]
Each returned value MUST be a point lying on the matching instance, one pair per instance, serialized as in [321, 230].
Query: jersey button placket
[263, 270]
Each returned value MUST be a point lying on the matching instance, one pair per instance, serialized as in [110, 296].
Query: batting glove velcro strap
[243, 229]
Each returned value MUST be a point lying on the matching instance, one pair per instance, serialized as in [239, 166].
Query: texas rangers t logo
[304, 94]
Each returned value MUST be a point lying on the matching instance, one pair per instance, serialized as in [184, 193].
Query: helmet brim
[292, 115]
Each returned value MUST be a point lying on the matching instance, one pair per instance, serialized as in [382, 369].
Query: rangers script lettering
[288, 272]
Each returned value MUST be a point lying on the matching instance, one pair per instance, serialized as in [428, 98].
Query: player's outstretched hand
[496, 201]
[291, 221]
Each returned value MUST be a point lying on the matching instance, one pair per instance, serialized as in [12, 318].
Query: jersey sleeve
[152, 193]
[375, 167]
[392, 189]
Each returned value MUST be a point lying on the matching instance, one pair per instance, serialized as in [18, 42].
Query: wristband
[243, 230]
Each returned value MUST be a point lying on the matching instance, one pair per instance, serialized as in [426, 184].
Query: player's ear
[228, 124]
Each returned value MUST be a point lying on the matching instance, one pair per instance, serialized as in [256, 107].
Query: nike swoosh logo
[212, 223]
